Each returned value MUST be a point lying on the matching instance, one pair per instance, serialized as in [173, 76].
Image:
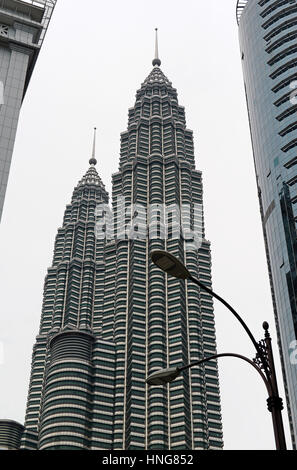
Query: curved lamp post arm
[238, 356]
[216, 296]
[166, 376]
[171, 265]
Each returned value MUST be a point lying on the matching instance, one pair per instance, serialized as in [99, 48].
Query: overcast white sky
[94, 58]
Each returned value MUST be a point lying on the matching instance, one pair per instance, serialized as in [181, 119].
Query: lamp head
[163, 376]
[170, 264]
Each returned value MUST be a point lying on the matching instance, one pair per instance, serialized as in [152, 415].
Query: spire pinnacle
[93, 160]
[156, 60]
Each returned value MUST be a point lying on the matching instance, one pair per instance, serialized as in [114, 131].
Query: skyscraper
[110, 317]
[23, 25]
[157, 321]
[267, 33]
[67, 366]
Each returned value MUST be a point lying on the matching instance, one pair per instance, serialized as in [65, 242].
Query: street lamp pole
[263, 362]
[274, 402]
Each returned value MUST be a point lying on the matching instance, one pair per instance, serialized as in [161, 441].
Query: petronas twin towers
[110, 317]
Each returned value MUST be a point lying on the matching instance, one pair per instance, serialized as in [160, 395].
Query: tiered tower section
[60, 410]
[157, 321]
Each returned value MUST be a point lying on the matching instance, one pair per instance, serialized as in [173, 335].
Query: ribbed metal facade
[67, 401]
[268, 33]
[10, 434]
[64, 370]
[110, 317]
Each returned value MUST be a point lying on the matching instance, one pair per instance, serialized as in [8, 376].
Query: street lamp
[263, 362]
[165, 376]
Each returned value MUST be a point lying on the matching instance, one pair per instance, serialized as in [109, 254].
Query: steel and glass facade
[10, 434]
[23, 24]
[157, 321]
[268, 34]
[110, 317]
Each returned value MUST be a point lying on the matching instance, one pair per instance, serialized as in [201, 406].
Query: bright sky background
[94, 58]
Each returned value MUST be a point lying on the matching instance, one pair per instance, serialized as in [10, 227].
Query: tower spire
[156, 60]
[93, 160]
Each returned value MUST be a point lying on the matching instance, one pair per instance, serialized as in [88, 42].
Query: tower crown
[92, 177]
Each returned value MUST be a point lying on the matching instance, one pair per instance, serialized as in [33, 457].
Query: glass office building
[268, 45]
[23, 24]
